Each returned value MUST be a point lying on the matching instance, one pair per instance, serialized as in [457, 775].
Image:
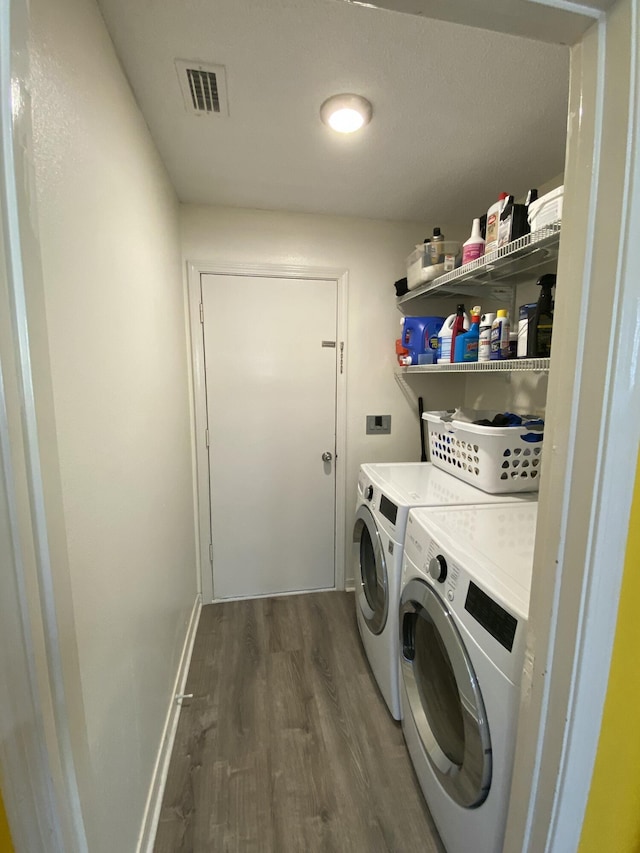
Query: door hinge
[206, 437]
[211, 553]
[341, 356]
[201, 313]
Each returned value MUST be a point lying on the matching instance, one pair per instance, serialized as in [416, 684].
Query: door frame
[43, 754]
[195, 269]
[588, 474]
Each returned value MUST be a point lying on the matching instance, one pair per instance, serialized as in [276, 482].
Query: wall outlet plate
[378, 424]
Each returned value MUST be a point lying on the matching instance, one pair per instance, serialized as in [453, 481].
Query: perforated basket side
[449, 452]
[521, 464]
[493, 463]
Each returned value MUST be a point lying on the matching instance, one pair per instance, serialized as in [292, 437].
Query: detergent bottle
[444, 338]
[458, 327]
[419, 338]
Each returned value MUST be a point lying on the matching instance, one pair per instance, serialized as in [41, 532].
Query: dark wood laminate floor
[287, 745]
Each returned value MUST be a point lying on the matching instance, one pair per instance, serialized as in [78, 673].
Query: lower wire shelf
[533, 365]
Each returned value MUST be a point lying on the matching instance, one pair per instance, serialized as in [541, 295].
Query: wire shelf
[533, 365]
[507, 265]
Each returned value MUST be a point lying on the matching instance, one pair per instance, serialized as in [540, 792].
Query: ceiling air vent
[204, 88]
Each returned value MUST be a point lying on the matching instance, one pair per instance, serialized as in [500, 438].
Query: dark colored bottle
[539, 336]
[458, 328]
[437, 247]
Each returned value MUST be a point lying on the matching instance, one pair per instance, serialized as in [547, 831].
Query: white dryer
[464, 605]
[386, 493]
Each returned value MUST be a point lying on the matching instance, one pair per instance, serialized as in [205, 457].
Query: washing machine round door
[444, 696]
[370, 574]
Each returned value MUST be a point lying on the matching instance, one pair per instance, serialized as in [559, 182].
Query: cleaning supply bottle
[458, 327]
[500, 330]
[526, 315]
[493, 224]
[540, 334]
[474, 247]
[466, 344]
[484, 342]
[444, 339]
[437, 247]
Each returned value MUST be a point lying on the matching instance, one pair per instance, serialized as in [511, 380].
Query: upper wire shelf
[508, 265]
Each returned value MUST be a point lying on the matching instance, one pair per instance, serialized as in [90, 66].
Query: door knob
[327, 456]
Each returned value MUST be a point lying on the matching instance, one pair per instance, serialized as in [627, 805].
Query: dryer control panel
[493, 618]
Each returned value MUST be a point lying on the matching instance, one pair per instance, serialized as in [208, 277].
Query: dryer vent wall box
[378, 424]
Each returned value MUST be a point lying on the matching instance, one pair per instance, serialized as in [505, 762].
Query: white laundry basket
[495, 459]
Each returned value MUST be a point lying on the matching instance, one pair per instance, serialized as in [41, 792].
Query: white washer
[466, 578]
[386, 492]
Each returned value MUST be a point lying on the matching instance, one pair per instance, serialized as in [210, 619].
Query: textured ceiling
[459, 113]
[530, 18]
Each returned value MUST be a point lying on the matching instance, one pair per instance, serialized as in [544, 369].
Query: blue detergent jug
[420, 337]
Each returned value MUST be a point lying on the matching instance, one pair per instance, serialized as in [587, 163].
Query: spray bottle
[539, 338]
[466, 344]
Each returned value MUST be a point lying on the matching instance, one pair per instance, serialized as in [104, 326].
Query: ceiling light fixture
[346, 113]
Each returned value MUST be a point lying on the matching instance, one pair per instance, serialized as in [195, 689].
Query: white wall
[374, 253]
[118, 357]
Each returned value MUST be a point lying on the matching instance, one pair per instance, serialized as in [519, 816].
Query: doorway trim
[195, 269]
[588, 478]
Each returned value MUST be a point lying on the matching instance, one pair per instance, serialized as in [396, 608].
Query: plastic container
[444, 338]
[473, 248]
[547, 210]
[495, 459]
[500, 329]
[419, 337]
[420, 266]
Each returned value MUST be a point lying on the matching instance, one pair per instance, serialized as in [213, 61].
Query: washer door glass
[444, 696]
[370, 572]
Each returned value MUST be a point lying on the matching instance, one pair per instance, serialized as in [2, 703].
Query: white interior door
[270, 360]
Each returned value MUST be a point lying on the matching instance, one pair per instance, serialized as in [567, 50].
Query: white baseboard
[158, 780]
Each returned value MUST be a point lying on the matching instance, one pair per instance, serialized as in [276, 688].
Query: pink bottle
[474, 246]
